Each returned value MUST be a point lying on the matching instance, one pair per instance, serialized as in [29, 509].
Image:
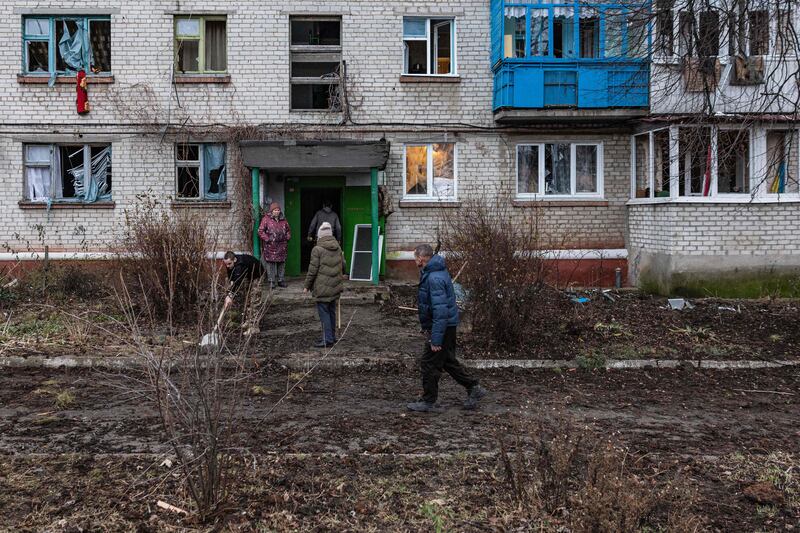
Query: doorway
[311, 200]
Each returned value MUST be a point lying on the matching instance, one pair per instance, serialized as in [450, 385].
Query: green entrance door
[303, 196]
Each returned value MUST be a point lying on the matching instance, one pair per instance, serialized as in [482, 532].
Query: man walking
[438, 316]
[244, 274]
[326, 214]
[324, 280]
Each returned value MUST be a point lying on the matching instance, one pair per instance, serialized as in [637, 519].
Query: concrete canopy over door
[318, 158]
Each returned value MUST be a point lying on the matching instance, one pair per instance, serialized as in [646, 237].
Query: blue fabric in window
[214, 170]
[414, 27]
[71, 46]
[96, 188]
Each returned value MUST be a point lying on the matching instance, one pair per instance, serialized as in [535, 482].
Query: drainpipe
[373, 183]
[254, 174]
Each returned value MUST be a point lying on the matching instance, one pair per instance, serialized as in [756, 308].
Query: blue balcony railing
[570, 54]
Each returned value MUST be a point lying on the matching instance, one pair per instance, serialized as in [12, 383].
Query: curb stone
[305, 362]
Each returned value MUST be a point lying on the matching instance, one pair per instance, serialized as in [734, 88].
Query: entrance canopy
[316, 156]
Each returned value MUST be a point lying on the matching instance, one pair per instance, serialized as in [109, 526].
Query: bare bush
[562, 473]
[166, 256]
[498, 255]
[198, 393]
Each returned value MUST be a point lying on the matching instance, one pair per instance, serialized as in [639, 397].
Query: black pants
[433, 363]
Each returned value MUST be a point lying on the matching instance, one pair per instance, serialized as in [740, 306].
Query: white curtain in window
[38, 180]
[562, 11]
[515, 11]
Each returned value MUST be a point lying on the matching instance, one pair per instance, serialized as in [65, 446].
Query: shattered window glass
[417, 170]
[528, 169]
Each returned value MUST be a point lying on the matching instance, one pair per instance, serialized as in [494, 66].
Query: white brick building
[181, 79]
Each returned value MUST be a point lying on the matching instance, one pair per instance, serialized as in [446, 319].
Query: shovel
[212, 339]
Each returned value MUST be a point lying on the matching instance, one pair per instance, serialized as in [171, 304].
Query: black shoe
[323, 344]
[421, 406]
[474, 394]
[282, 284]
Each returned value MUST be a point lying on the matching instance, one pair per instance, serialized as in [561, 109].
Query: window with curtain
[67, 172]
[589, 32]
[559, 169]
[66, 44]
[200, 171]
[201, 44]
[514, 32]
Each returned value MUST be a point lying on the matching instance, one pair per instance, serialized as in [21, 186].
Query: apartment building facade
[391, 111]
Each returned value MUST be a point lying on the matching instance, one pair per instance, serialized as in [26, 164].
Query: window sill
[27, 204]
[567, 202]
[44, 79]
[200, 204]
[429, 203]
[425, 78]
[202, 78]
[735, 200]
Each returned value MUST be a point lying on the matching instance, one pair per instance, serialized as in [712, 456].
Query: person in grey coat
[326, 214]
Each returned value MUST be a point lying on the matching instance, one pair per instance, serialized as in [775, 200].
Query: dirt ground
[342, 452]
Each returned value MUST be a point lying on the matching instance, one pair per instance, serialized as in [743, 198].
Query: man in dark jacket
[324, 280]
[244, 274]
[326, 214]
[438, 316]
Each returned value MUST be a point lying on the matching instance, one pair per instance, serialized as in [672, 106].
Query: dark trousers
[433, 363]
[327, 315]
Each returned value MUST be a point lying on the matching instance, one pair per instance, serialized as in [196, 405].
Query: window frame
[201, 43]
[323, 52]
[87, 155]
[429, 197]
[429, 44]
[599, 194]
[201, 171]
[52, 45]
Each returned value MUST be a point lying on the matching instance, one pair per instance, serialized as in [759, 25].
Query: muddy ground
[95, 461]
[633, 326]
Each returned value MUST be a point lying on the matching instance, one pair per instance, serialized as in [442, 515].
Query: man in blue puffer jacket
[438, 316]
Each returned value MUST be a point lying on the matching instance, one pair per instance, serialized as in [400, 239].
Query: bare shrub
[563, 474]
[498, 253]
[198, 394]
[166, 256]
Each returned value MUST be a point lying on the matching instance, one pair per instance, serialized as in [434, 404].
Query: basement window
[200, 171]
[316, 63]
[429, 46]
[65, 45]
[560, 170]
[201, 45]
[60, 173]
[430, 171]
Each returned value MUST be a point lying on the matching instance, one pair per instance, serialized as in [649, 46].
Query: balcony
[577, 61]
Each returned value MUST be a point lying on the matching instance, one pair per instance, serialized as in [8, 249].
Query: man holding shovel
[438, 316]
[244, 274]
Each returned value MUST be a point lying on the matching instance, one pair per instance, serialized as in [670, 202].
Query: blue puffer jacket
[436, 300]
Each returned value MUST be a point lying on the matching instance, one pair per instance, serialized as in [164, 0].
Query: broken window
[66, 45]
[201, 44]
[694, 159]
[665, 40]
[528, 169]
[708, 34]
[429, 46]
[316, 59]
[782, 162]
[758, 35]
[540, 32]
[200, 171]
[641, 167]
[589, 32]
[559, 169]
[430, 171]
[733, 161]
[67, 172]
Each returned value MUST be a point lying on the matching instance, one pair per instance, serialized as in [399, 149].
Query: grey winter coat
[324, 278]
[325, 214]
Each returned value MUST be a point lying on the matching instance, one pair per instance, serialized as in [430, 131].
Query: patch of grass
[434, 512]
[775, 337]
[258, 390]
[780, 469]
[612, 329]
[592, 360]
[64, 400]
[627, 351]
[698, 334]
